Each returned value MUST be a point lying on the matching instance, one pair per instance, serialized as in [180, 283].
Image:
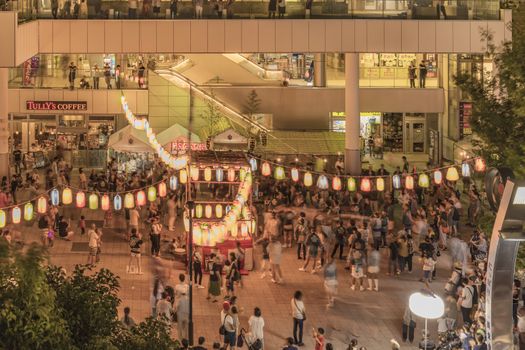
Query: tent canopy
[129, 139]
[175, 133]
[229, 139]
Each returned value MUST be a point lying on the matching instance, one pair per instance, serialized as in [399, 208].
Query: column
[319, 70]
[352, 119]
[4, 126]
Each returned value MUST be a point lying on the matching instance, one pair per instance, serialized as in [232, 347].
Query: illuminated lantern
[207, 174]
[129, 201]
[366, 186]
[424, 181]
[253, 226]
[55, 196]
[162, 190]
[279, 173]
[183, 176]
[322, 182]
[198, 211]
[234, 231]
[266, 170]
[218, 211]
[197, 235]
[380, 184]
[152, 194]
[117, 202]
[465, 170]
[41, 205]
[219, 174]
[396, 181]
[186, 220]
[295, 174]
[141, 198]
[308, 179]
[194, 172]
[16, 215]
[409, 182]
[231, 174]
[336, 183]
[67, 196]
[104, 202]
[2, 218]
[253, 164]
[208, 211]
[246, 214]
[351, 184]
[81, 199]
[452, 174]
[174, 182]
[244, 229]
[438, 177]
[479, 165]
[28, 211]
[93, 201]
[242, 173]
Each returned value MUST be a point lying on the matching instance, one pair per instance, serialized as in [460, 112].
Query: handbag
[257, 345]
[412, 324]
[240, 341]
[222, 330]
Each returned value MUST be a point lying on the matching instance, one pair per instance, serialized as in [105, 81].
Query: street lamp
[427, 305]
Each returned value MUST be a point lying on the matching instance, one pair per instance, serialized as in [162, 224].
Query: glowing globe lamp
[28, 211]
[117, 202]
[266, 170]
[351, 184]
[80, 199]
[93, 201]
[104, 202]
[380, 184]
[16, 215]
[308, 179]
[41, 205]
[67, 196]
[452, 174]
[366, 186]
[295, 174]
[409, 182]
[424, 181]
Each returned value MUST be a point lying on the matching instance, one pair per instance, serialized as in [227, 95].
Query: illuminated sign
[181, 146]
[56, 105]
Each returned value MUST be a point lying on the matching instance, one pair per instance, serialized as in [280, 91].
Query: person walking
[340, 239]
[96, 77]
[134, 243]
[275, 260]
[134, 218]
[72, 75]
[214, 285]
[127, 321]
[107, 76]
[118, 80]
[54, 8]
[466, 300]
[93, 243]
[412, 75]
[313, 242]
[299, 316]
[199, 6]
[409, 324]
[197, 270]
[281, 4]
[183, 316]
[231, 327]
[156, 229]
[272, 8]
[256, 328]
[373, 264]
[132, 9]
[330, 281]
[301, 230]
[422, 74]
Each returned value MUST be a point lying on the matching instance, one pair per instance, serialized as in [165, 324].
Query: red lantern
[366, 186]
[479, 165]
[42, 205]
[266, 170]
[141, 198]
[231, 174]
[104, 202]
[162, 190]
[81, 199]
[409, 182]
[336, 183]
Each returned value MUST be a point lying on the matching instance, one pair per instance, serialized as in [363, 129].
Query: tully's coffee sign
[56, 105]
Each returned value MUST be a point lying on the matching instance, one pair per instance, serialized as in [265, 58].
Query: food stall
[131, 149]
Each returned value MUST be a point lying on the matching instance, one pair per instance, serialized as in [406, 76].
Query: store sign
[181, 146]
[56, 105]
[465, 113]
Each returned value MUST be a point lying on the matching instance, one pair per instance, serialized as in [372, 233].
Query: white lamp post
[428, 306]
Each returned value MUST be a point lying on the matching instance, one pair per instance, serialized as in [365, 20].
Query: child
[318, 338]
[82, 225]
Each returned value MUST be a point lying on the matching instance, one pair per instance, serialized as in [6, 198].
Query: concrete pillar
[319, 70]
[4, 124]
[352, 119]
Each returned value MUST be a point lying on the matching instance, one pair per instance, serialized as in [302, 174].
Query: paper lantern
[67, 196]
[396, 181]
[452, 174]
[231, 174]
[295, 174]
[152, 194]
[380, 184]
[465, 170]
[162, 190]
[424, 181]
[183, 176]
[253, 164]
[41, 205]
[322, 182]
[266, 170]
[129, 201]
[28, 211]
[308, 180]
[219, 174]
[141, 198]
[80, 199]
[479, 165]
[198, 211]
[242, 173]
[246, 213]
[16, 215]
[2, 218]
[351, 184]
[197, 235]
[208, 211]
[55, 199]
[279, 173]
[117, 202]
[218, 211]
[438, 177]
[336, 183]
[207, 174]
[409, 182]
[93, 201]
[366, 186]
[244, 229]
[186, 221]
[234, 230]
[174, 182]
[253, 226]
[194, 172]
[104, 202]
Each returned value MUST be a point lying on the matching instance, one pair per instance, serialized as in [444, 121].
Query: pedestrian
[54, 8]
[214, 285]
[183, 316]
[288, 229]
[373, 264]
[156, 229]
[301, 230]
[272, 8]
[134, 218]
[313, 242]
[422, 74]
[275, 249]
[127, 321]
[289, 344]
[357, 271]
[318, 336]
[197, 269]
[200, 344]
[231, 327]
[93, 243]
[173, 9]
[256, 328]
[135, 243]
[330, 281]
[164, 308]
[82, 225]
[412, 75]
[282, 8]
[299, 316]
[140, 72]
[265, 264]
[409, 324]
[118, 73]
[308, 8]
[393, 250]
[466, 300]
[72, 75]
[156, 8]
[340, 238]
[107, 76]
[132, 9]
[199, 6]
[63, 229]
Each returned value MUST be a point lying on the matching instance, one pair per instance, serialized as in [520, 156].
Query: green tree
[215, 121]
[253, 102]
[149, 334]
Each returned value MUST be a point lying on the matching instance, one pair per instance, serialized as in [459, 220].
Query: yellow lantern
[246, 213]
[279, 173]
[198, 211]
[93, 201]
[266, 170]
[244, 229]
[366, 186]
[141, 198]
[104, 202]
[183, 176]
[424, 181]
[2, 218]
[351, 184]
[186, 220]
[479, 165]
[162, 190]
[67, 196]
[194, 171]
[322, 182]
[42, 205]
[218, 211]
[452, 174]
[207, 174]
[16, 215]
[197, 235]
[336, 183]
[253, 226]
[380, 184]
[308, 179]
[81, 199]
[129, 201]
[208, 211]
[152, 194]
[234, 230]
[231, 174]
[295, 174]
[242, 173]
[409, 182]
[28, 211]
[438, 177]
[465, 169]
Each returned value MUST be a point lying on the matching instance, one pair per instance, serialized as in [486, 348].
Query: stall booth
[131, 149]
[229, 140]
[219, 183]
[177, 140]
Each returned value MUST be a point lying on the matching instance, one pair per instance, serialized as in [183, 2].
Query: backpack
[42, 222]
[474, 295]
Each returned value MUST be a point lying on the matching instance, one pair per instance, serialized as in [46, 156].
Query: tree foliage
[149, 334]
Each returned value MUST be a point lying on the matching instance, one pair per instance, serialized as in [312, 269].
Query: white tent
[129, 139]
[229, 139]
[176, 133]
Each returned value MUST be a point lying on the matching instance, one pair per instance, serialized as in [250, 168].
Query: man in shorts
[134, 244]
[94, 243]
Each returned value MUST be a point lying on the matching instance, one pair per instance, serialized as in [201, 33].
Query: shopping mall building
[330, 77]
